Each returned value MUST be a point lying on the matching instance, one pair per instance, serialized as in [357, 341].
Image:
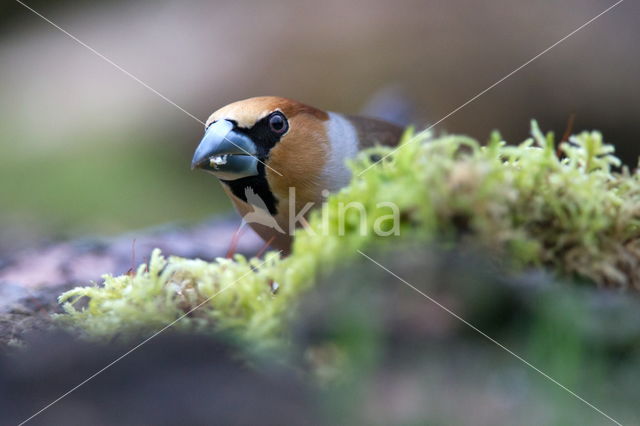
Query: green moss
[533, 204]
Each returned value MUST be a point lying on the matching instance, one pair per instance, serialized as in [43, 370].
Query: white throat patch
[343, 144]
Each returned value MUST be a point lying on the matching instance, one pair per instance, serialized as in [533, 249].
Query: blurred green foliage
[99, 186]
[403, 360]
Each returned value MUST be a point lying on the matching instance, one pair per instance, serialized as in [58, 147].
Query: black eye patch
[267, 132]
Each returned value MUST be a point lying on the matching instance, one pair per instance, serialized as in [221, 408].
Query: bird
[277, 159]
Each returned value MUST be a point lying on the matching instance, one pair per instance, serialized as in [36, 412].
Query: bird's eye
[277, 123]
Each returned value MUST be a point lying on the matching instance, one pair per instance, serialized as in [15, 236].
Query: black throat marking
[260, 187]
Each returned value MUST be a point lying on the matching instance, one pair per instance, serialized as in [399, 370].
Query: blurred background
[85, 149]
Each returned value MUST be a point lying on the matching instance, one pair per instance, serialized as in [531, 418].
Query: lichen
[569, 208]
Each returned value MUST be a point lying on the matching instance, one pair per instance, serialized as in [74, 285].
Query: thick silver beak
[225, 153]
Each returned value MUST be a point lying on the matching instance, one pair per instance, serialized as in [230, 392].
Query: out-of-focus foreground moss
[534, 204]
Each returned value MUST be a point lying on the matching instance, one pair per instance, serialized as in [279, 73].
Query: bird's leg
[265, 247]
[233, 246]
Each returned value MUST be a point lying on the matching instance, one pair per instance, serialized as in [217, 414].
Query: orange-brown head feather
[249, 111]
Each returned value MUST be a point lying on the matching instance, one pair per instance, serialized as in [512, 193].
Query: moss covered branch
[569, 208]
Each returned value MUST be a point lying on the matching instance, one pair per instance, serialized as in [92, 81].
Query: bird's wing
[372, 131]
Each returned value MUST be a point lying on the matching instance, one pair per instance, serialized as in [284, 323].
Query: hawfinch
[276, 157]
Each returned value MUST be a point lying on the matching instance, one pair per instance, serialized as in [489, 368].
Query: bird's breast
[271, 227]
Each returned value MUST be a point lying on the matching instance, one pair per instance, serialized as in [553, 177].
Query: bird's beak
[227, 154]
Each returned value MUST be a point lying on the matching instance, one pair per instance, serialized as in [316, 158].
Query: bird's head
[267, 143]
